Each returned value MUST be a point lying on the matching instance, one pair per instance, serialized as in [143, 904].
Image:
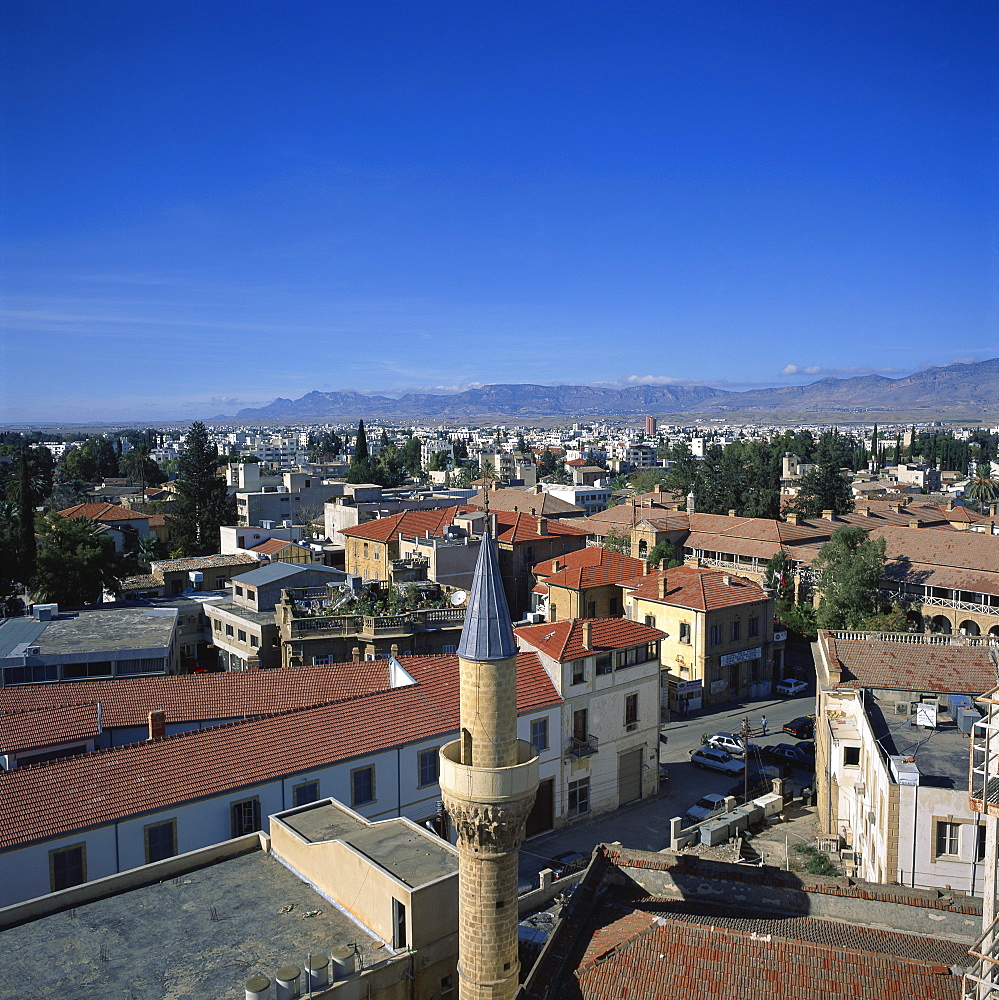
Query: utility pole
[745, 759]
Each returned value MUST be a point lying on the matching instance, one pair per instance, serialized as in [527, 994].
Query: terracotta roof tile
[947, 666]
[513, 527]
[696, 588]
[408, 522]
[563, 640]
[104, 512]
[51, 799]
[47, 726]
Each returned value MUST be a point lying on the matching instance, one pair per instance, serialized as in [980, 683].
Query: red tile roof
[946, 667]
[592, 555]
[271, 546]
[563, 640]
[47, 726]
[52, 799]
[127, 701]
[104, 512]
[515, 527]
[410, 522]
[695, 588]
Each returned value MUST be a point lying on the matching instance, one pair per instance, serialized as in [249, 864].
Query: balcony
[579, 747]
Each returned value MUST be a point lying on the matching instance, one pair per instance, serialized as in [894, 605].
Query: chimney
[828, 515]
[662, 586]
[542, 525]
[555, 566]
[726, 579]
[355, 654]
[157, 725]
[394, 651]
[694, 561]
[951, 505]
[587, 635]
[731, 513]
[691, 503]
[494, 486]
[646, 567]
[537, 488]
[913, 524]
[795, 519]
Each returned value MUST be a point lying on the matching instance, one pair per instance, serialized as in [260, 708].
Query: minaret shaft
[488, 781]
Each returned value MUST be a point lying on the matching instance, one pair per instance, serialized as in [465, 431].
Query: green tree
[650, 480]
[438, 462]
[360, 443]
[411, 454]
[617, 541]
[521, 444]
[852, 566]
[779, 575]
[76, 562]
[550, 464]
[203, 503]
[982, 486]
[825, 487]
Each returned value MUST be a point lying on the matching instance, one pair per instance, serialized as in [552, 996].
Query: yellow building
[720, 641]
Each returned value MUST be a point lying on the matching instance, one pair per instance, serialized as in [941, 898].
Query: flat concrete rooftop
[201, 934]
[412, 856]
[81, 632]
[942, 754]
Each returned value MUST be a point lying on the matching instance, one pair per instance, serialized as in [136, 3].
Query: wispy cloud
[965, 359]
[792, 370]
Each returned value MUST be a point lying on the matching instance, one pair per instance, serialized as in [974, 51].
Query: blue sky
[205, 205]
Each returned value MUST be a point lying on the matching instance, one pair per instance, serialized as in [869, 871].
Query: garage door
[629, 776]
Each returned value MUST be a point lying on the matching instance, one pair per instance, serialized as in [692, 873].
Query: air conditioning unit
[860, 788]
[848, 856]
[901, 708]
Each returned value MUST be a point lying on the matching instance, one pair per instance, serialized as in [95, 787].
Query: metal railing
[578, 747]
[918, 638]
[410, 621]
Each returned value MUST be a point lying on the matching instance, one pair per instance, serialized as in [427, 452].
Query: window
[754, 627]
[398, 924]
[239, 590]
[948, 838]
[715, 635]
[241, 635]
[447, 650]
[685, 632]
[161, 841]
[539, 734]
[245, 816]
[217, 625]
[650, 620]
[604, 664]
[254, 641]
[631, 711]
[628, 657]
[579, 797]
[980, 845]
[736, 630]
[578, 671]
[365, 550]
[306, 792]
[851, 756]
[68, 867]
[228, 630]
[652, 651]
[220, 582]
[362, 786]
[429, 766]
[251, 595]
[553, 616]
[591, 609]
[447, 984]
[615, 607]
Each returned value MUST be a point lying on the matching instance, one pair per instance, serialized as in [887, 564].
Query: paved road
[645, 825]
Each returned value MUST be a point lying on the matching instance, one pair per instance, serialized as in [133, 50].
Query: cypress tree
[361, 444]
[203, 503]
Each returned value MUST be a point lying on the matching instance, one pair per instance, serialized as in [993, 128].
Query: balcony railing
[411, 621]
[919, 638]
[579, 747]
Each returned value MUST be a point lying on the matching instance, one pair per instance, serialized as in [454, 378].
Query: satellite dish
[459, 597]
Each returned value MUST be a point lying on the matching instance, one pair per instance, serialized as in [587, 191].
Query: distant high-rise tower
[488, 779]
[651, 426]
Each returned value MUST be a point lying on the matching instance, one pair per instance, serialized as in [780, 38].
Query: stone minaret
[488, 780]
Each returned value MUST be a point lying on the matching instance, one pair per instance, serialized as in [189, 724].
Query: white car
[728, 742]
[716, 760]
[791, 688]
[706, 806]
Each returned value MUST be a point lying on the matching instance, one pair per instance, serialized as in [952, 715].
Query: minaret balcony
[488, 785]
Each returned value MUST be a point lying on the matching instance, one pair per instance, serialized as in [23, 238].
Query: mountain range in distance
[958, 390]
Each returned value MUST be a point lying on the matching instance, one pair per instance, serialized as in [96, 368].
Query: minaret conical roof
[488, 632]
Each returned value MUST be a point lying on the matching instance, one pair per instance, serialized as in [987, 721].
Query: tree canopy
[203, 503]
[76, 562]
[852, 566]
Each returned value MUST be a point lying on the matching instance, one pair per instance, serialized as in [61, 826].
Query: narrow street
[645, 825]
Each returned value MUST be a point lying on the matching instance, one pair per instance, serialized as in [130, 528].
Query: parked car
[807, 747]
[785, 753]
[802, 728]
[566, 863]
[716, 760]
[706, 806]
[730, 743]
[791, 687]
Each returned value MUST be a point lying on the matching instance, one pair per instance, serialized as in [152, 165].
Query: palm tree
[982, 486]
